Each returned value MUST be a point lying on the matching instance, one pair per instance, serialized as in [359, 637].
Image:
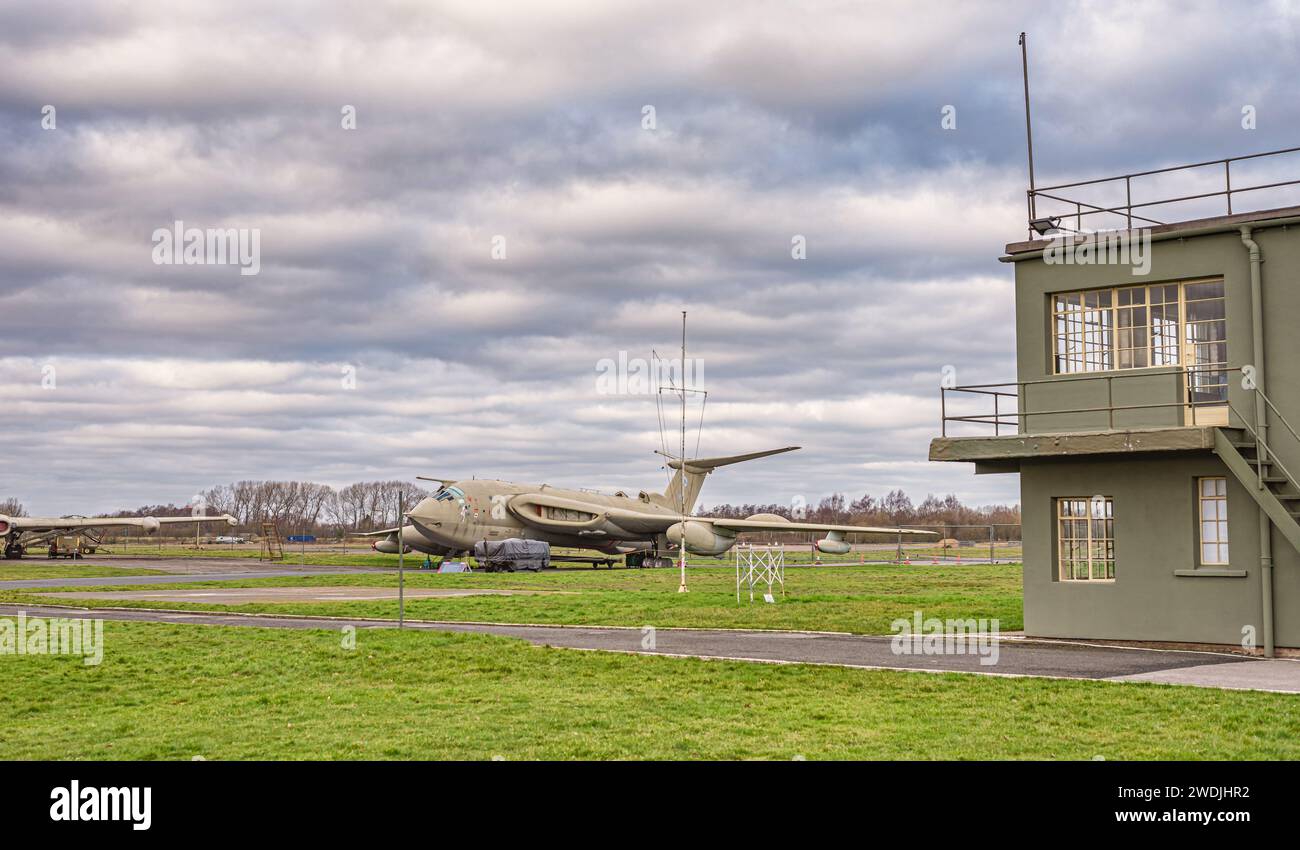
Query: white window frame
[1089, 328]
[1091, 521]
[1216, 501]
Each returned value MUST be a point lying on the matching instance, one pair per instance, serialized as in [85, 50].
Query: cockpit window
[446, 494]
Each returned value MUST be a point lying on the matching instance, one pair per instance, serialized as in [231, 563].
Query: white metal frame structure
[759, 565]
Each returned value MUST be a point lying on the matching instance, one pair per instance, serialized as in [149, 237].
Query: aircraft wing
[776, 525]
[77, 523]
[574, 516]
[383, 532]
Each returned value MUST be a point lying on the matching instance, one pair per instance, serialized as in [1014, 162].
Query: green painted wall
[1155, 518]
[1171, 260]
[1155, 535]
[1142, 387]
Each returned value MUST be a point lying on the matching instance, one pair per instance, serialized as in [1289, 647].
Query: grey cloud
[473, 120]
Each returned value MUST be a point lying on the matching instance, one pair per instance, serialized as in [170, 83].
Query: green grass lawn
[864, 599]
[13, 570]
[175, 692]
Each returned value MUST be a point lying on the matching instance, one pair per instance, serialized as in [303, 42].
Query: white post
[681, 457]
[401, 563]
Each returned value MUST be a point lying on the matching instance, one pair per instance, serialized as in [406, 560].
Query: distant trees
[307, 507]
[897, 506]
[12, 507]
[894, 509]
[297, 507]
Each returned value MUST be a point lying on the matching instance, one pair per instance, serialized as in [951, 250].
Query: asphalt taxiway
[1016, 656]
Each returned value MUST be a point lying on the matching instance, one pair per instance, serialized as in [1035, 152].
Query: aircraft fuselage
[467, 512]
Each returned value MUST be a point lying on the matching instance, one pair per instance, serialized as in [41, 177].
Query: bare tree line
[296, 507]
[314, 508]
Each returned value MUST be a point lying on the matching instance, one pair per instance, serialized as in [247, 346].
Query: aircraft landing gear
[13, 550]
[647, 560]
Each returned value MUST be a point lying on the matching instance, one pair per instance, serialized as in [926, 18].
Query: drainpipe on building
[1261, 417]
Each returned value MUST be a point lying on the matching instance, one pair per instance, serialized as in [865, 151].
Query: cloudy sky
[381, 337]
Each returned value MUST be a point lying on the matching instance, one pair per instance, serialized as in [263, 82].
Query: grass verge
[17, 570]
[175, 692]
[863, 600]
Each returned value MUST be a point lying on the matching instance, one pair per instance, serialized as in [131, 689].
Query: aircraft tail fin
[697, 469]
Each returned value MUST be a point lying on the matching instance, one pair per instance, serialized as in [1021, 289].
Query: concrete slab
[1272, 674]
[1053, 444]
[242, 595]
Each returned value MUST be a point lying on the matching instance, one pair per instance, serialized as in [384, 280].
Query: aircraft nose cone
[432, 518]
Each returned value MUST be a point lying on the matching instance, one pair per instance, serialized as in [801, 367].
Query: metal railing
[1264, 413]
[1014, 419]
[1082, 209]
[1264, 456]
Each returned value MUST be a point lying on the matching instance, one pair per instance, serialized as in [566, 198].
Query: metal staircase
[1246, 453]
[272, 548]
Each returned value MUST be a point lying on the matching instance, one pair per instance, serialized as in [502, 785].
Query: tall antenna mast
[682, 458]
[1029, 132]
[678, 461]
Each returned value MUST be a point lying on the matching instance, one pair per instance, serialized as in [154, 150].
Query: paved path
[1016, 657]
[1277, 674]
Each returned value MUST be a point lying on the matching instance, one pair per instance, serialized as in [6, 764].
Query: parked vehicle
[70, 547]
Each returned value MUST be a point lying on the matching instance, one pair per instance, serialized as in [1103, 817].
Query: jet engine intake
[833, 544]
[388, 545]
[701, 538]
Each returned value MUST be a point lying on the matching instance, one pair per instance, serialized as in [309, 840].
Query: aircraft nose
[429, 511]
